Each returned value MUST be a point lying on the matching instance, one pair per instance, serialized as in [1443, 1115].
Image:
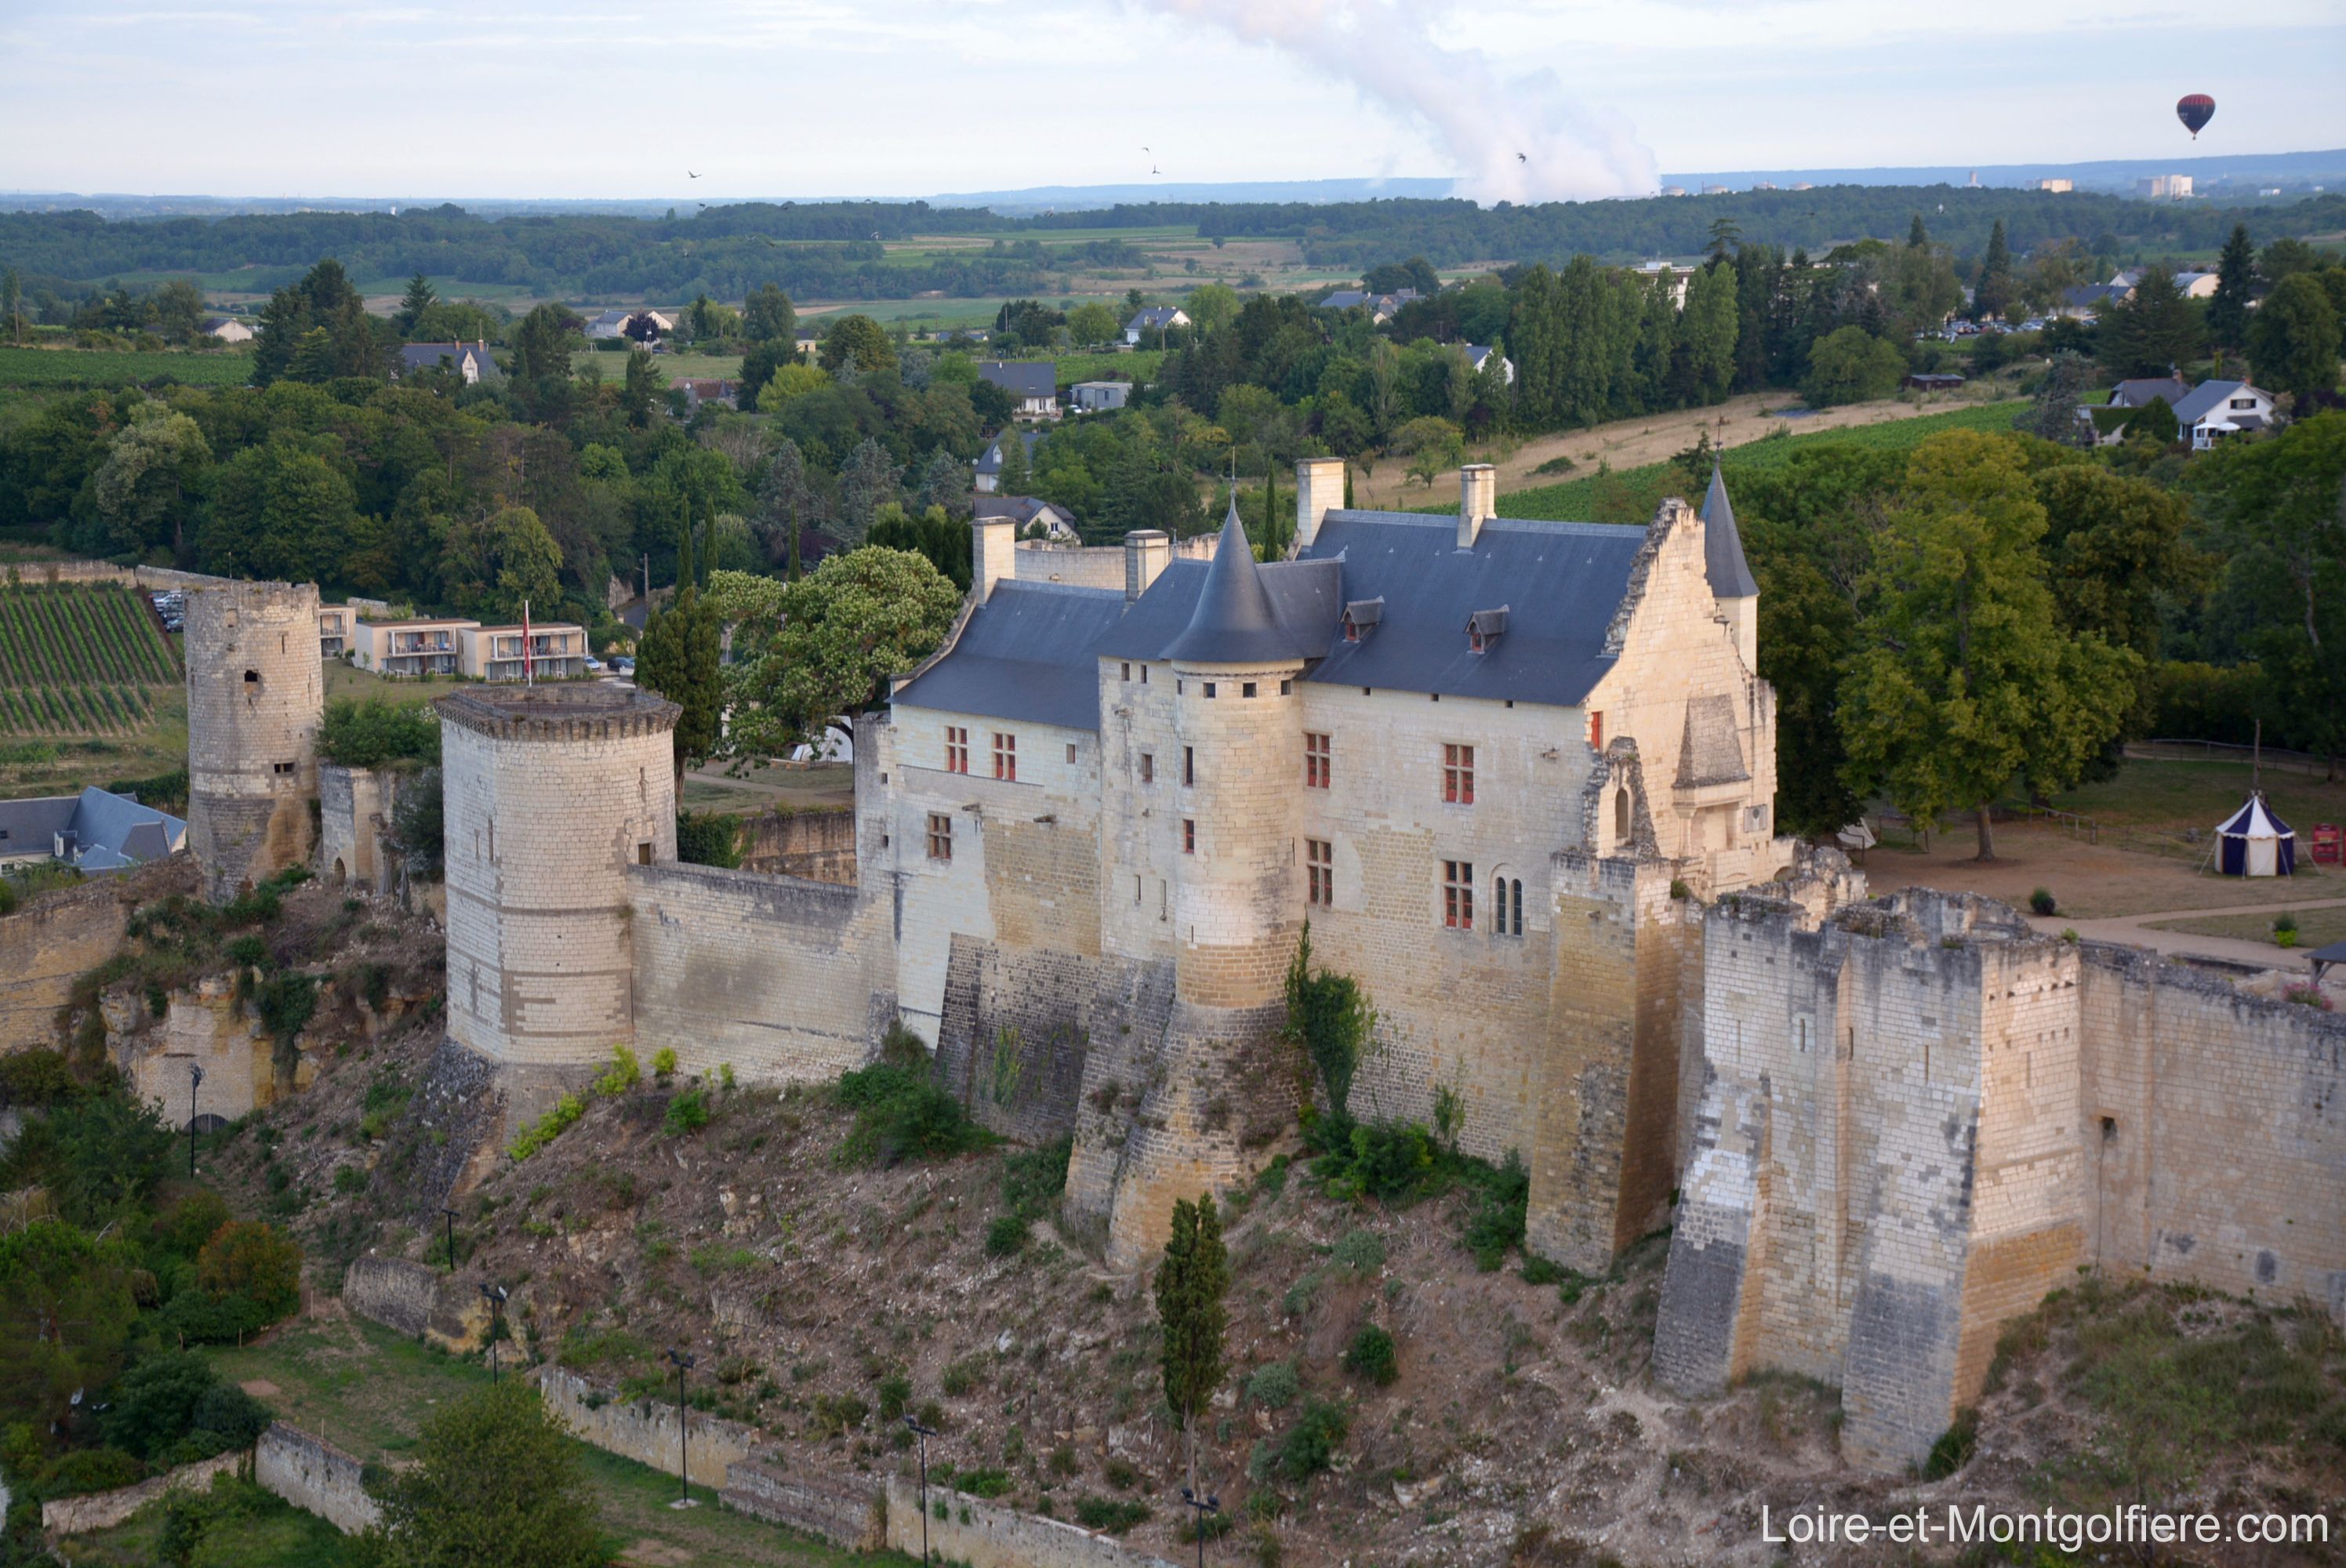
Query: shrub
[1113, 1514]
[1363, 1251]
[370, 734]
[1309, 1445]
[1954, 1448]
[36, 1078]
[1371, 1355]
[900, 1115]
[622, 1074]
[350, 1178]
[182, 1230]
[255, 1260]
[547, 1127]
[2042, 903]
[1274, 1385]
[1006, 1236]
[709, 839]
[89, 1470]
[1498, 1226]
[664, 1062]
[959, 1377]
[895, 1391]
[982, 1483]
[230, 1414]
[2284, 928]
[154, 1404]
[688, 1112]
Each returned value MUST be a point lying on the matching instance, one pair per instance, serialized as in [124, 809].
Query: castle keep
[1516, 777]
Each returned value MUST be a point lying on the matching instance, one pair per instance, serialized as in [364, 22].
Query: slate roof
[110, 832]
[1722, 544]
[1022, 509]
[1025, 654]
[2141, 391]
[1030, 652]
[427, 357]
[1234, 622]
[2207, 398]
[1022, 378]
[1154, 315]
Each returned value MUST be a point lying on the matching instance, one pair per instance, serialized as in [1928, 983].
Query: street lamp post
[449, 1216]
[925, 1434]
[195, 1081]
[683, 1360]
[495, 1296]
[1204, 1506]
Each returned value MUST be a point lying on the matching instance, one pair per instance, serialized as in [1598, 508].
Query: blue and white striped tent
[2253, 842]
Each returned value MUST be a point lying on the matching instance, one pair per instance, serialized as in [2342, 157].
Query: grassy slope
[2170, 797]
[1631, 494]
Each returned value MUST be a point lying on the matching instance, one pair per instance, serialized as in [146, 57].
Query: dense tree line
[830, 248]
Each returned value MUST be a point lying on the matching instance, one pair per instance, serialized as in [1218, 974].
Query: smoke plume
[1520, 139]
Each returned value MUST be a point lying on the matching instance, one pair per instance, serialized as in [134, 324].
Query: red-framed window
[1006, 756]
[940, 836]
[956, 749]
[1320, 868]
[1458, 894]
[1316, 759]
[1458, 775]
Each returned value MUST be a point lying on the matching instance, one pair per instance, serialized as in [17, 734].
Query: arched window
[1507, 906]
[1621, 816]
[1515, 889]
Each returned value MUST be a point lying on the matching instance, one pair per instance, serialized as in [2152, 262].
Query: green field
[79, 659]
[1630, 494]
[103, 368]
[717, 367]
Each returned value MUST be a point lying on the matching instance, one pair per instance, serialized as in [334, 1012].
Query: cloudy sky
[894, 98]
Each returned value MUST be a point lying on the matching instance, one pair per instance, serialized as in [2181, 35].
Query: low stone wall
[415, 1299]
[645, 1430]
[314, 1475]
[817, 845]
[847, 1513]
[981, 1536]
[54, 572]
[104, 1510]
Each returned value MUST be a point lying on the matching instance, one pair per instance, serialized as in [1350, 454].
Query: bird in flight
[1521, 158]
[690, 175]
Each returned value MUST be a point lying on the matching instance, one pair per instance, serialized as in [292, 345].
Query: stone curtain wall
[787, 980]
[393, 1292]
[104, 1510]
[848, 1513]
[1919, 1119]
[645, 1430]
[46, 946]
[981, 1534]
[819, 846]
[1018, 1026]
[315, 1476]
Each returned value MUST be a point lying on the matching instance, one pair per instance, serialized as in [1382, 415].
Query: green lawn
[369, 1390]
[103, 368]
[2315, 928]
[2169, 797]
[1630, 494]
[279, 1536]
[345, 681]
[699, 367]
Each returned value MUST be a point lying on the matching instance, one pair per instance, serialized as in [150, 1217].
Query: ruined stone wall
[819, 846]
[1919, 1119]
[355, 812]
[544, 818]
[781, 978]
[202, 1026]
[256, 695]
[316, 1477]
[1023, 863]
[848, 1510]
[645, 1431]
[2213, 1131]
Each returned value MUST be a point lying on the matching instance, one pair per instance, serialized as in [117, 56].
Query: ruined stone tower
[256, 695]
[550, 792]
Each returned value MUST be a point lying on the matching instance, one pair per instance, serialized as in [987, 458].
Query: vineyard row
[78, 635]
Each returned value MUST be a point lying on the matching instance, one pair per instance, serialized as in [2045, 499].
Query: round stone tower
[1239, 716]
[256, 695]
[549, 793]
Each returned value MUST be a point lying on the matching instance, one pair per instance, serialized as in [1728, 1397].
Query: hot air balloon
[2195, 111]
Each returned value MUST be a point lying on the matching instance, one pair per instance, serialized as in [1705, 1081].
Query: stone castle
[1517, 776]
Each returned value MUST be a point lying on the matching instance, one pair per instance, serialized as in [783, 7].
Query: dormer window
[1361, 615]
[1485, 627]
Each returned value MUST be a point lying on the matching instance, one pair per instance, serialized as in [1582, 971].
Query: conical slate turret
[1723, 546]
[1233, 623]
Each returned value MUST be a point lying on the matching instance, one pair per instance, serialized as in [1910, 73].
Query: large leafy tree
[65, 1315]
[2116, 553]
[2152, 332]
[323, 301]
[1964, 678]
[1192, 1315]
[494, 565]
[2279, 510]
[677, 658]
[146, 492]
[867, 482]
[1852, 365]
[280, 509]
[497, 1482]
[768, 316]
[2294, 342]
[843, 629]
[856, 339]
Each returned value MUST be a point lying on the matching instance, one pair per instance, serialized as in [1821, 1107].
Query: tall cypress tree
[2236, 276]
[1271, 545]
[1917, 236]
[1191, 1282]
[1994, 293]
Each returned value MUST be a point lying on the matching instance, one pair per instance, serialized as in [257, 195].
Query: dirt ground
[1635, 442]
[2089, 880]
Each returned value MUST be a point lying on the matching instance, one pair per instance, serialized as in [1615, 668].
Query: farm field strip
[78, 660]
[106, 368]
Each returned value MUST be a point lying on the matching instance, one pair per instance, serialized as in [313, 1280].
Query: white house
[986, 477]
[1033, 385]
[1479, 354]
[1097, 397]
[1154, 319]
[613, 323]
[2223, 408]
[227, 329]
[469, 362]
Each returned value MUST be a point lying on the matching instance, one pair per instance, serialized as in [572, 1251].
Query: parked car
[623, 666]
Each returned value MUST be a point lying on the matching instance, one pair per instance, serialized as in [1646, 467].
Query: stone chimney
[1319, 490]
[993, 554]
[1146, 552]
[1478, 501]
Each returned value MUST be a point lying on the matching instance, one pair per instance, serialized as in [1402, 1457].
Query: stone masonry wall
[256, 695]
[316, 1477]
[55, 939]
[784, 979]
[819, 846]
[983, 1534]
[848, 1511]
[1919, 1119]
[645, 1431]
[1019, 1024]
